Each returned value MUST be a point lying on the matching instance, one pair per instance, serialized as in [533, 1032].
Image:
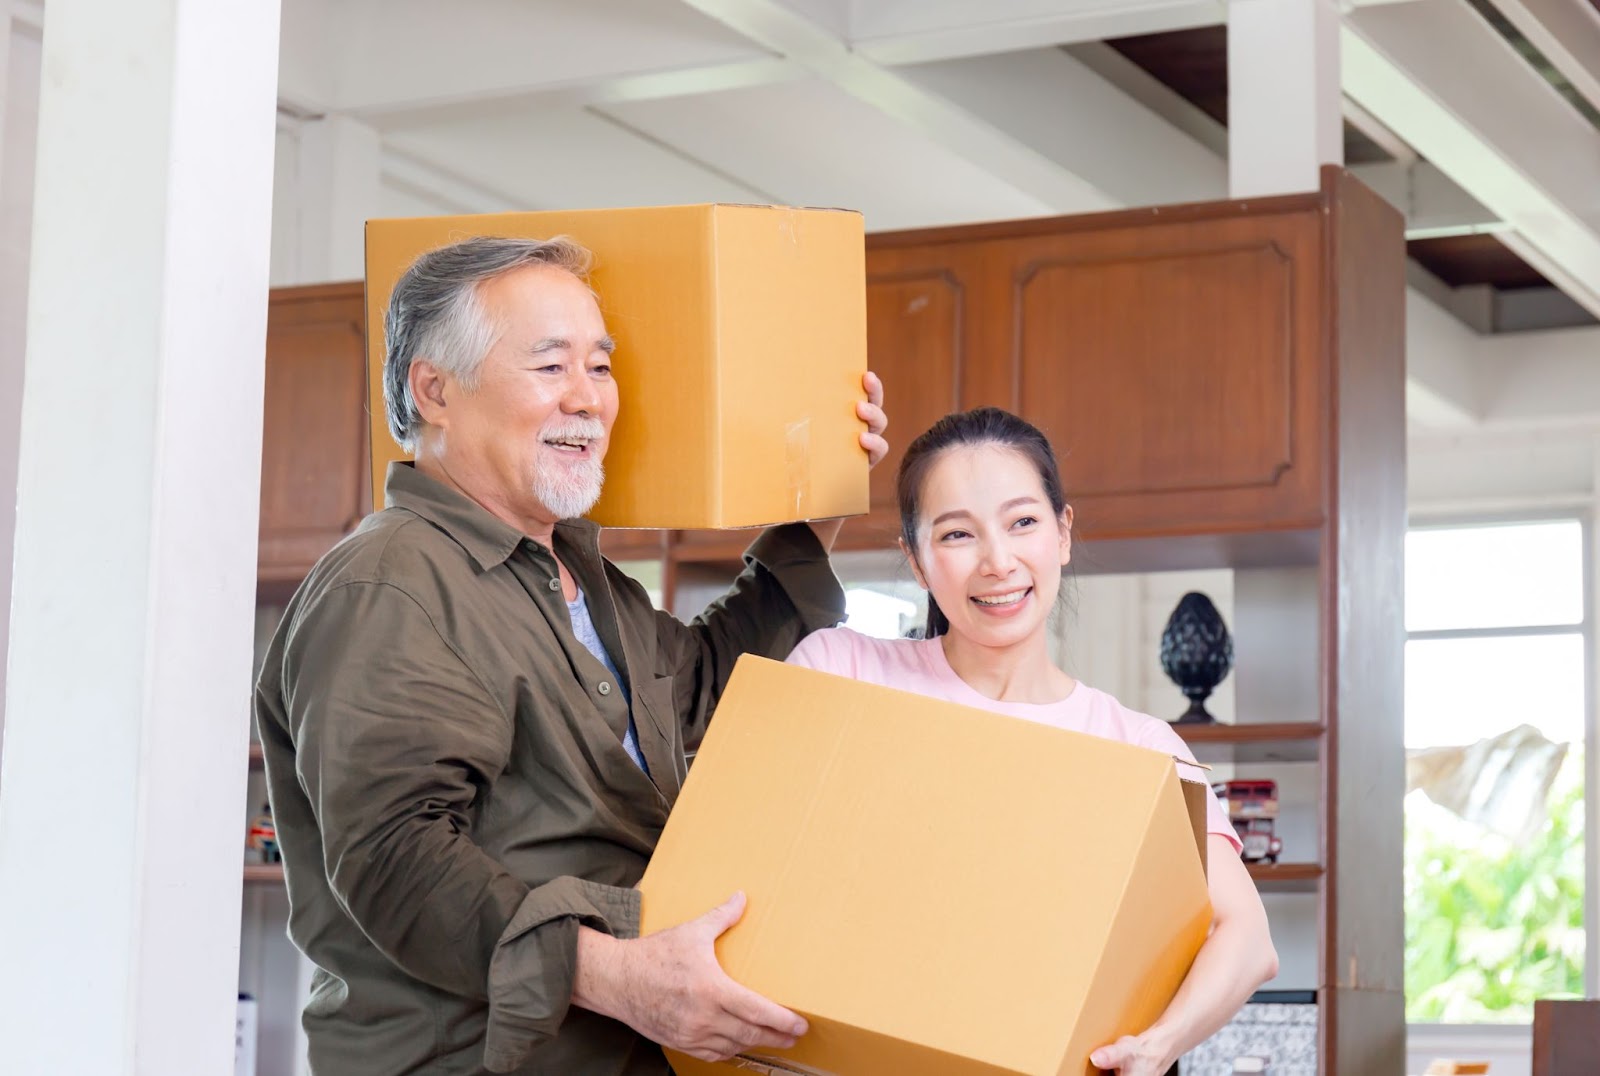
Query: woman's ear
[911, 559]
[1066, 535]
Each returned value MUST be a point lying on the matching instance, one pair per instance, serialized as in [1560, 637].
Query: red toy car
[1252, 807]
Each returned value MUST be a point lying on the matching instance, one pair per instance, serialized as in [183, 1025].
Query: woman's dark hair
[981, 426]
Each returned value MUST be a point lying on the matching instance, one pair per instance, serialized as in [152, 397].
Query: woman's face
[989, 547]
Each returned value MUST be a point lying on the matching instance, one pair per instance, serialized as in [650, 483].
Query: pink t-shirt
[919, 665]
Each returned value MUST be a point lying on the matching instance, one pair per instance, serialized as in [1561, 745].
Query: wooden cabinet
[314, 484]
[1176, 357]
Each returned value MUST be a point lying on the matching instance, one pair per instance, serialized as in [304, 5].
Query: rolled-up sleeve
[786, 591]
[395, 737]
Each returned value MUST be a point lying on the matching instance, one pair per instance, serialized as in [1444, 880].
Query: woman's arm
[1236, 958]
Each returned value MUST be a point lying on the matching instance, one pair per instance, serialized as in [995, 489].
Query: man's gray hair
[435, 313]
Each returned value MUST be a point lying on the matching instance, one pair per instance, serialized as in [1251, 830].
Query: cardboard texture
[939, 890]
[741, 342]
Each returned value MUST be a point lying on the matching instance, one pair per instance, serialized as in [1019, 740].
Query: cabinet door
[1177, 369]
[314, 484]
[916, 320]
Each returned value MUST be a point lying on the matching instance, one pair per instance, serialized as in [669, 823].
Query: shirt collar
[487, 538]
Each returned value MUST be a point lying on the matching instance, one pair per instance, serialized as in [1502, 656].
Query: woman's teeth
[1003, 599]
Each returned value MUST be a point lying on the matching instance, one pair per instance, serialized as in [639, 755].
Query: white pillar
[337, 189]
[130, 660]
[1284, 114]
[20, 26]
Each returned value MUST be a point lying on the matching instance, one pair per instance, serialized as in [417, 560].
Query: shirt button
[605, 687]
[555, 584]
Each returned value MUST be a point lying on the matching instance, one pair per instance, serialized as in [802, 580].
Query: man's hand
[669, 988]
[1133, 1055]
[871, 412]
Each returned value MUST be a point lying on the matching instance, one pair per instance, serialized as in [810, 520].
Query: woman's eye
[1025, 521]
[602, 370]
[949, 536]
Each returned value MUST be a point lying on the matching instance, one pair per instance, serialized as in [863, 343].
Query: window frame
[1586, 518]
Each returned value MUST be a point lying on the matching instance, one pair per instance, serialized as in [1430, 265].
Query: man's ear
[911, 559]
[431, 388]
[1066, 535]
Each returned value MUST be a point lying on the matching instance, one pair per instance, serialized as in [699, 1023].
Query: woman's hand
[1135, 1055]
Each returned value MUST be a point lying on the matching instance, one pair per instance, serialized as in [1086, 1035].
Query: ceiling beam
[1542, 380]
[1441, 78]
[918, 31]
[1106, 137]
[1567, 32]
[781, 30]
[587, 93]
[451, 192]
[1433, 204]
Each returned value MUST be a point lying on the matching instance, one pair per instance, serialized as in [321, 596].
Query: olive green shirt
[449, 783]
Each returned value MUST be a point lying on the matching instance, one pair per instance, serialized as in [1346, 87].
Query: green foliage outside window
[1491, 924]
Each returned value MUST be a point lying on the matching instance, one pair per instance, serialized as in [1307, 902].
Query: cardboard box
[741, 341]
[939, 890]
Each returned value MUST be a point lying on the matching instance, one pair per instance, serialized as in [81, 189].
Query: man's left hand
[1133, 1055]
[871, 412]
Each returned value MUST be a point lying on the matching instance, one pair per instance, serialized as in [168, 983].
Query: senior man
[474, 726]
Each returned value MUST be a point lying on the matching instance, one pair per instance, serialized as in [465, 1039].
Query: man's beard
[569, 490]
[573, 491]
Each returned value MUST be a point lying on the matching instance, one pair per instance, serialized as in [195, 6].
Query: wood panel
[1566, 1038]
[1363, 632]
[914, 316]
[314, 484]
[1168, 373]
[1175, 367]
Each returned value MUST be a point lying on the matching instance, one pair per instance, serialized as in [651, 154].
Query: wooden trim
[1186, 213]
[1286, 877]
[349, 289]
[263, 874]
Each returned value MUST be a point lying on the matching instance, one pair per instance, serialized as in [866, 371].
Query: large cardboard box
[741, 341]
[937, 889]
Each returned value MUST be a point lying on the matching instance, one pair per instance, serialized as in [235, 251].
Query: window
[1497, 721]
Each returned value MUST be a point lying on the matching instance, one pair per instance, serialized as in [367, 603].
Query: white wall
[20, 48]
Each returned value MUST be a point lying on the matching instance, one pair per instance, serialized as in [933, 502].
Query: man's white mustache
[585, 429]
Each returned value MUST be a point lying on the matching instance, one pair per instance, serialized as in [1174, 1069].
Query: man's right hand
[670, 988]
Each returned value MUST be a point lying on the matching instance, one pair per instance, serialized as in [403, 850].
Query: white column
[130, 661]
[1284, 115]
[20, 24]
[337, 189]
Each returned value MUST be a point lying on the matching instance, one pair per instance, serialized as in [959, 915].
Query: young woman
[987, 530]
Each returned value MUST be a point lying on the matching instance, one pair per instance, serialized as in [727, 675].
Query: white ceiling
[932, 112]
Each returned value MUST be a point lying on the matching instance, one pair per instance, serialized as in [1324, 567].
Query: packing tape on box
[797, 447]
[772, 1066]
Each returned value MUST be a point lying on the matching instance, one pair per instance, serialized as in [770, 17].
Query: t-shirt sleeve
[1158, 736]
[828, 650]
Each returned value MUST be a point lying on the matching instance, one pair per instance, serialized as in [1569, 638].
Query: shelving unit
[1252, 742]
[1286, 877]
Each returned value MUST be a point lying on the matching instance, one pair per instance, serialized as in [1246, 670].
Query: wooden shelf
[1286, 877]
[263, 874]
[1283, 741]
